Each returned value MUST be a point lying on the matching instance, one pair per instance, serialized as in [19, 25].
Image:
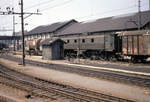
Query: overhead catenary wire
[57, 5]
[110, 11]
[39, 4]
[102, 13]
[5, 19]
[92, 14]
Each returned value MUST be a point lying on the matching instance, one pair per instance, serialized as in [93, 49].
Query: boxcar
[136, 44]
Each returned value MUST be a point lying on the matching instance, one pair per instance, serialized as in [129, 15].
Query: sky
[61, 10]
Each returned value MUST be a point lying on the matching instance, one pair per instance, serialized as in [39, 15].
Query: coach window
[83, 40]
[75, 41]
[92, 40]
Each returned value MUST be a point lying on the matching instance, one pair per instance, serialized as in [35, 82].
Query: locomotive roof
[116, 23]
[49, 28]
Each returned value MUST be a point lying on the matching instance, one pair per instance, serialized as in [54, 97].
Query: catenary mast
[139, 14]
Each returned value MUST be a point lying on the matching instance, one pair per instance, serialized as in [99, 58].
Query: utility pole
[14, 32]
[11, 12]
[139, 14]
[78, 50]
[22, 27]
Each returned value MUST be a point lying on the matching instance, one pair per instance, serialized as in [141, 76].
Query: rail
[52, 90]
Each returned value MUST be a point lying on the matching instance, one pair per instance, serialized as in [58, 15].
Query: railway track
[52, 90]
[139, 80]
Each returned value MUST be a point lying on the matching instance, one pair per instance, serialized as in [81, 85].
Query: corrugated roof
[116, 23]
[49, 28]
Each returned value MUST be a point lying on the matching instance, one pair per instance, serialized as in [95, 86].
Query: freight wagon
[136, 44]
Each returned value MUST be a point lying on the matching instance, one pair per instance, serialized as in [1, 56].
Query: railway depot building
[125, 22]
[46, 31]
[113, 24]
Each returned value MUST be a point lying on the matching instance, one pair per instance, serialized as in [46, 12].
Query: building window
[83, 40]
[68, 41]
[92, 40]
[75, 41]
